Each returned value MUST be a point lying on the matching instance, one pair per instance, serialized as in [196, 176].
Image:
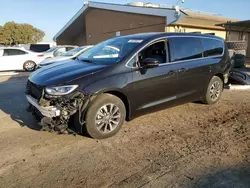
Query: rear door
[193, 70]
[213, 52]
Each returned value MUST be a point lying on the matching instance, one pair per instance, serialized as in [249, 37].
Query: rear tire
[105, 116]
[29, 66]
[214, 91]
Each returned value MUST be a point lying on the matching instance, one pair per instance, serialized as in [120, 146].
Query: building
[238, 31]
[96, 22]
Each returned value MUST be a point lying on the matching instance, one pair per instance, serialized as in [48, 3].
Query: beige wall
[103, 24]
[189, 29]
[233, 36]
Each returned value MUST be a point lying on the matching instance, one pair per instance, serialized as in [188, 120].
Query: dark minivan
[123, 77]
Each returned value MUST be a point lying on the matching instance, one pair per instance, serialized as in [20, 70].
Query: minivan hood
[61, 73]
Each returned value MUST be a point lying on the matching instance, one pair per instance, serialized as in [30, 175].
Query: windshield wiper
[84, 60]
[87, 60]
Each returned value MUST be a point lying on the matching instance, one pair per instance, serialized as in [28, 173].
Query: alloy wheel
[29, 66]
[215, 90]
[107, 118]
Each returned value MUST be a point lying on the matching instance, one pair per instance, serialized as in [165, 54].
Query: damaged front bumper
[48, 111]
[54, 113]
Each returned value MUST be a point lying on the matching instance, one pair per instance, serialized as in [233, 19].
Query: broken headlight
[60, 90]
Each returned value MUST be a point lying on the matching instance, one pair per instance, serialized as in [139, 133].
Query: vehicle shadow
[238, 177]
[13, 102]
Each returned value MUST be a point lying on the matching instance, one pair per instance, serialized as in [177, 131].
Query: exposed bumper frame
[48, 111]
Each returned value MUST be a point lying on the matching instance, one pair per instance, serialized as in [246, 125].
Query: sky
[51, 15]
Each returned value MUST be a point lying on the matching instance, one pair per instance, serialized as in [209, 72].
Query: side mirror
[149, 63]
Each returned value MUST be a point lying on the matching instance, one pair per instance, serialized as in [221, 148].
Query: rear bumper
[48, 111]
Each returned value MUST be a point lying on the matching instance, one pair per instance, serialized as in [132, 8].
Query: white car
[15, 58]
[69, 55]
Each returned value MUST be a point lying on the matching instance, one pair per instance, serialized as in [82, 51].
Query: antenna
[182, 1]
[177, 9]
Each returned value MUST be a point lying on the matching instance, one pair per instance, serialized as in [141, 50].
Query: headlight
[60, 90]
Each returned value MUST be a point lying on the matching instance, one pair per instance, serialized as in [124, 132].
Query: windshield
[74, 51]
[110, 51]
[51, 49]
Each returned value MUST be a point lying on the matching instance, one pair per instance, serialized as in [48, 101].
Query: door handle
[182, 70]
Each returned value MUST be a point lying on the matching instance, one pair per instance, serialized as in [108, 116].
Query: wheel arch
[121, 96]
[221, 76]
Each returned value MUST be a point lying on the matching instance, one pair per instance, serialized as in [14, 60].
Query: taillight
[40, 55]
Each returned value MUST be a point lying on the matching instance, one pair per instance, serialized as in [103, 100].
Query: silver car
[68, 55]
[58, 51]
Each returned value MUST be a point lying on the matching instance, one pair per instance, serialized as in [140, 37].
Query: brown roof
[204, 20]
[237, 26]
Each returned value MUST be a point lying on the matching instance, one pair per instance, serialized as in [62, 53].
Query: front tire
[105, 116]
[29, 66]
[214, 91]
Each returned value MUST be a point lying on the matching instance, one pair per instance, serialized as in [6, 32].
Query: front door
[154, 86]
[12, 59]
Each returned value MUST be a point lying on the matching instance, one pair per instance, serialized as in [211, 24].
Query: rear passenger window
[212, 47]
[185, 48]
[10, 52]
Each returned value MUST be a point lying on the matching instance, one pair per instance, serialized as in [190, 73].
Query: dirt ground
[192, 145]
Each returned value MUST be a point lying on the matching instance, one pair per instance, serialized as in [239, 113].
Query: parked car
[58, 51]
[15, 58]
[39, 47]
[68, 55]
[126, 76]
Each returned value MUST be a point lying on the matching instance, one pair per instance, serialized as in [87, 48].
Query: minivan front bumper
[48, 111]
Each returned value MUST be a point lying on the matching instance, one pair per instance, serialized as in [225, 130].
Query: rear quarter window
[212, 47]
[185, 48]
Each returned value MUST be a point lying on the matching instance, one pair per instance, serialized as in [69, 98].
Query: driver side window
[156, 51]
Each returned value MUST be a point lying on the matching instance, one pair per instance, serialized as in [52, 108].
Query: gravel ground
[192, 145]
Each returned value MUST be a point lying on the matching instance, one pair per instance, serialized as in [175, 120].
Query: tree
[12, 33]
